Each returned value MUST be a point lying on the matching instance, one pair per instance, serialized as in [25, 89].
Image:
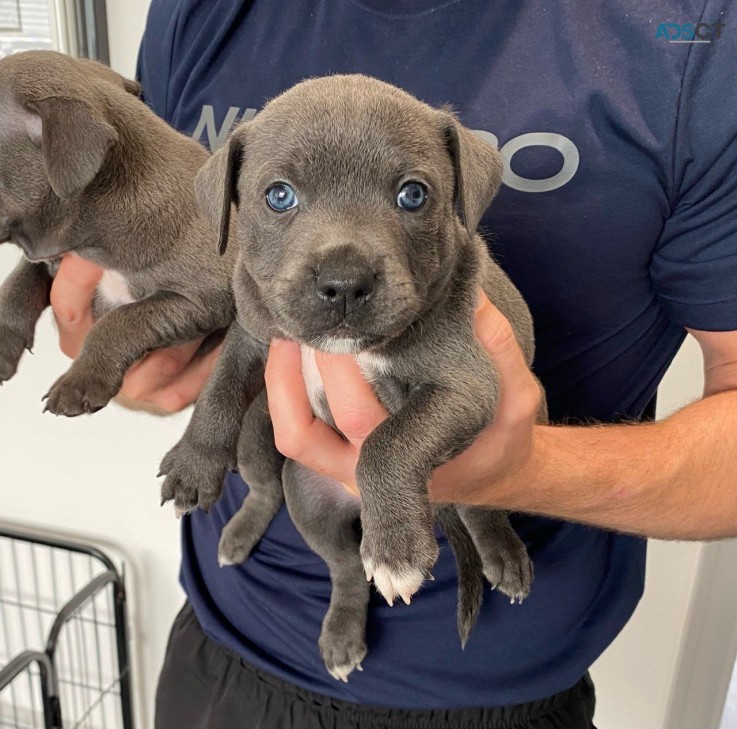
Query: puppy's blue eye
[412, 196]
[281, 197]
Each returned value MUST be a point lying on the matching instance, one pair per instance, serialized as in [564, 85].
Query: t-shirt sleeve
[694, 267]
[155, 54]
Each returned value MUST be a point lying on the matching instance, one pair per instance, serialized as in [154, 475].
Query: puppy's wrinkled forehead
[348, 128]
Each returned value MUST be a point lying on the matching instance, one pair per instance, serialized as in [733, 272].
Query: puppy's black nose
[345, 287]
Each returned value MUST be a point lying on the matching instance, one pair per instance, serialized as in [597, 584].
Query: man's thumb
[71, 299]
[495, 333]
[73, 290]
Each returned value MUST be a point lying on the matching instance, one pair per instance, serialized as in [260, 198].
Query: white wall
[125, 21]
[94, 478]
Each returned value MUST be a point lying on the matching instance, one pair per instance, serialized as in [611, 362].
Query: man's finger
[158, 370]
[298, 433]
[71, 299]
[353, 403]
[186, 387]
[497, 337]
[520, 391]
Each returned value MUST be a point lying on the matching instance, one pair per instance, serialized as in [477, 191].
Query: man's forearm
[675, 479]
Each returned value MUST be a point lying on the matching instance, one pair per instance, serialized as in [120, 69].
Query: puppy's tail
[470, 570]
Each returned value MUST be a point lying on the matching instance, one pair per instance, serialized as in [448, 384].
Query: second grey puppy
[85, 166]
[357, 214]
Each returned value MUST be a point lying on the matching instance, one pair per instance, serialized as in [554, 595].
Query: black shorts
[204, 686]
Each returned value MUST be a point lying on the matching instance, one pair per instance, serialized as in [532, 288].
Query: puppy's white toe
[341, 673]
[224, 561]
[393, 583]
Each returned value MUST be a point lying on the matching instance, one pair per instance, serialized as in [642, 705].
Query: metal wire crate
[64, 660]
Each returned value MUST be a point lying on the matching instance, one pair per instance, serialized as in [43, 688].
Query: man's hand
[164, 382]
[497, 454]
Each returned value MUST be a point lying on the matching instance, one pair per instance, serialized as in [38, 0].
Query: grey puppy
[85, 166]
[357, 213]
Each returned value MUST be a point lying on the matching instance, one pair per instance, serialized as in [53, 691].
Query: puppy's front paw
[509, 568]
[12, 346]
[194, 477]
[398, 559]
[79, 392]
[342, 643]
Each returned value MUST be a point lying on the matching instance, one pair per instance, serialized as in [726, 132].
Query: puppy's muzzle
[345, 282]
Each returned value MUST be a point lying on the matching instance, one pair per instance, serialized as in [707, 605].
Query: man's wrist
[530, 488]
[602, 475]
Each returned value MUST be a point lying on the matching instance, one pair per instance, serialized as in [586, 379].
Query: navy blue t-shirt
[617, 221]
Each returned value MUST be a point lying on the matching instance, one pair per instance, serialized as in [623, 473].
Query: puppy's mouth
[47, 257]
[342, 321]
[341, 339]
[33, 251]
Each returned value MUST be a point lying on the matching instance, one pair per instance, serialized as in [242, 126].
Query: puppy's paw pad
[76, 394]
[398, 581]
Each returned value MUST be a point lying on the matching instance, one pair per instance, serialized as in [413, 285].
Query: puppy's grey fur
[85, 166]
[346, 145]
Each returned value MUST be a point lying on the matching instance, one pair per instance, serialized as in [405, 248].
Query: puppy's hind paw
[511, 574]
[234, 546]
[342, 643]
[341, 672]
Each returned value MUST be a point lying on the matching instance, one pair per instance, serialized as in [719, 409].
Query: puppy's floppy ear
[132, 87]
[216, 186]
[95, 68]
[75, 139]
[478, 171]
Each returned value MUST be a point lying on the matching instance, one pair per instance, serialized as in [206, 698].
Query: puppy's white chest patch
[313, 381]
[113, 288]
[372, 366]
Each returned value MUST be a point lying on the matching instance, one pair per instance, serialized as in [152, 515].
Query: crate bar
[111, 576]
[49, 694]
